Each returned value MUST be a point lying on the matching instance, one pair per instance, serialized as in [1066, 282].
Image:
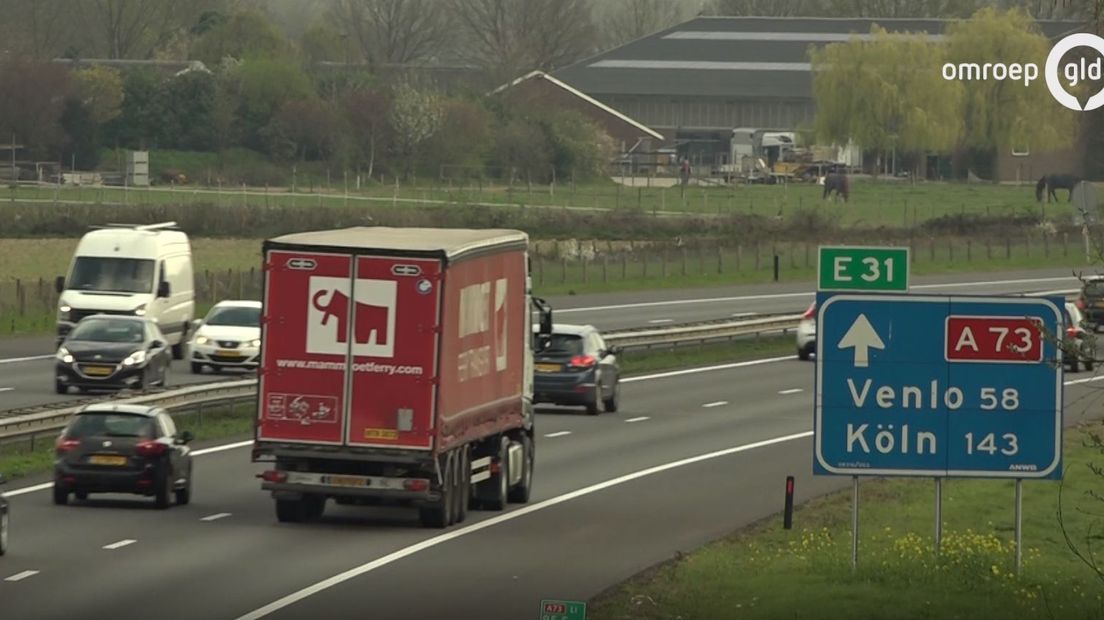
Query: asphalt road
[122, 559]
[26, 379]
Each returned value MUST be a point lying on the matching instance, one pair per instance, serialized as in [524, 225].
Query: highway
[598, 516]
[26, 365]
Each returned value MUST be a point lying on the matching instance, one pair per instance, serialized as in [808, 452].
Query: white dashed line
[216, 517]
[790, 391]
[20, 360]
[658, 321]
[719, 403]
[558, 434]
[740, 314]
[120, 544]
[637, 419]
[21, 576]
[6, 389]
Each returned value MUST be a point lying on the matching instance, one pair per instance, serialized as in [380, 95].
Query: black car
[4, 519]
[105, 351]
[574, 366]
[1091, 301]
[109, 448]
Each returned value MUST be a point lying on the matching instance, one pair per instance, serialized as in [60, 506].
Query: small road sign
[920, 385]
[852, 268]
[562, 610]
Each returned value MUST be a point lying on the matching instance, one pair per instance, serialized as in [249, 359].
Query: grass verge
[764, 571]
[658, 360]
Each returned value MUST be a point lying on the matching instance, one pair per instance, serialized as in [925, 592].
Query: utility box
[137, 168]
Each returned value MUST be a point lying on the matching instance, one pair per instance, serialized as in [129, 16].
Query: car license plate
[345, 481]
[548, 367]
[102, 459]
[228, 353]
[98, 371]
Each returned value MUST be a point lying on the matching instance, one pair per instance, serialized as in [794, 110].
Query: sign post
[869, 269]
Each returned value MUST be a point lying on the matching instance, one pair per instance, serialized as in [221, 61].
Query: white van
[135, 270]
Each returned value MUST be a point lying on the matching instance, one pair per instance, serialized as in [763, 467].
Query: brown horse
[838, 183]
[1051, 182]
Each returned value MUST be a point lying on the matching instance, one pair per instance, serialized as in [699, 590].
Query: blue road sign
[918, 385]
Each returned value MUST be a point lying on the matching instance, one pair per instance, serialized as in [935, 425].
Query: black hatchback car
[135, 449]
[1091, 301]
[574, 366]
[106, 351]
[4, 519]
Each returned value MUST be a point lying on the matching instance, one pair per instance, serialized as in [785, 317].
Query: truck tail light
[1081, 303]
[65, 446]
[417, 485]
[150, 448]
[273, 475]
[810, 313]
[583, 361]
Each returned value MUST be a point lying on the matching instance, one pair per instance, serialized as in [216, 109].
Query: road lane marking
[719, 403]
[33, 358]
[791, 391]
[637, 419]
[694, 371]
[658, 321]
[390, 558]
[558, 434]
[229, 446]
[21, 576]
[7, 389]
[215, 517]
[740, 314]
[120, 544]
[812, 294]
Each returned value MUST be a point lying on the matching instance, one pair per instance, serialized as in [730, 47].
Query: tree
[140, 114]
[306, 129]
[188, 109]
[393, 31]
[321, 43]
[247, 33]
[81, 148]
[32, 105]
[463, 141]
[510, 37]
[627, 20]
[901, 8]
[521, 148]
[136, 28]
[368, 114]
[768, 8]
[578, 147]
[37, 28]
[101, 92]
[265, 85]
[415, 117]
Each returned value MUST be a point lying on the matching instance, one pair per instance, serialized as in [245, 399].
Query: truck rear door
[305, 347]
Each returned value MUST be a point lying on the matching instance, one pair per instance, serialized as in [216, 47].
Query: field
[886, 203]
[767, 572]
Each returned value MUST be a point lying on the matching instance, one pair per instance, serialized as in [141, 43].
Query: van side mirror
[184, 438]
[164, 290]
[59, 284]
[545, 315]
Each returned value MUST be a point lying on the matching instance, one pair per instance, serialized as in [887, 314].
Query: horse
[1051, 182]
[838, 183]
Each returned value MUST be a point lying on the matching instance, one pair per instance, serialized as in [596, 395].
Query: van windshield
[113, 275]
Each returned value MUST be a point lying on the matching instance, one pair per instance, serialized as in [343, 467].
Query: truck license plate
[345, 481]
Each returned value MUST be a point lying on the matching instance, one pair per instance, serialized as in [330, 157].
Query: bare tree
[626, 20]
[137, 28]
[901, 8]
[768, 8]
[509, 37]
[394, 31]
[37, 28]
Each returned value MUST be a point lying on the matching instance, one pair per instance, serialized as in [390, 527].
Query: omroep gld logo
[1057, 75]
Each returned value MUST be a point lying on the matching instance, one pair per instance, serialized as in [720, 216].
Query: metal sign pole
[854, 523]
[1019, 524]
[938, 514]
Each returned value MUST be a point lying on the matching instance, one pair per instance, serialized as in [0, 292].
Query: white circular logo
[424, 286]
[1053, 79]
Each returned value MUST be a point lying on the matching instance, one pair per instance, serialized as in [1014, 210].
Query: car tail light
[150, 448]
[582, 361]
[1072, 332]
[273, 475]
[810, 313]
[1081, 303]
[67, 445]
[416, 484]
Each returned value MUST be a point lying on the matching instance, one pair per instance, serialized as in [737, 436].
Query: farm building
[697, 81]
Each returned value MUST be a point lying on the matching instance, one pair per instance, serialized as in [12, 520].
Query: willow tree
[998, 115]
[886, 92]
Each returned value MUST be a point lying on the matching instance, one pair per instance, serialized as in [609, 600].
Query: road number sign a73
[871, 269]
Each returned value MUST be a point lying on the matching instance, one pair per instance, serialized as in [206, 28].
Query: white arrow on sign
[862, 337]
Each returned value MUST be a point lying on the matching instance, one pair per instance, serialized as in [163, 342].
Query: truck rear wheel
[440, 513]
[463, 484]
[291, 511]
[520, 493]
[496, 489]
[314, 506]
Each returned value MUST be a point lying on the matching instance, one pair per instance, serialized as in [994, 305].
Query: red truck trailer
[397, 367]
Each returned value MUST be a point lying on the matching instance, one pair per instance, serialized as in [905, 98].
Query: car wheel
[164, 488]
[178, 349]
[1074, 365]
[60, 387]
[197, 369]
[80, 495]
[3, 533]
[61, 494]
[803, 354]
[184, 496]
[596, 399]
[166, 374]
[613, 401]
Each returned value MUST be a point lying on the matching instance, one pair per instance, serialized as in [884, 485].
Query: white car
[806, 333]
[228, 337]
[1079, 343]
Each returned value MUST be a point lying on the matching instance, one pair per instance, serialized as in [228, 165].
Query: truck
[396, 368]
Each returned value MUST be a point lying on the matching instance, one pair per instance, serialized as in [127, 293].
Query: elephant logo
[373, 323]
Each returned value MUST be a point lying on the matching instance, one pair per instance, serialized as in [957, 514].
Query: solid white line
[215, 517]
[6, 389]
[229, 446]
[714, 300]
[658, 321]
[637, 419]
[33, 358]
[791, 391]
[120, 544]
[1085, 380]
[293, 598]
[740, 314]
[21, 576]
[694, 371]
[558, 434]
[719, 403]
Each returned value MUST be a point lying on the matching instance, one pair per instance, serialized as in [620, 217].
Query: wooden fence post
[720, 259]
[563, 270]
[605, 269]
[684, 262]
[586, 262]
[624, 266]
[1008, 248]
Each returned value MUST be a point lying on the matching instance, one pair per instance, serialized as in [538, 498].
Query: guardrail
[21, 426]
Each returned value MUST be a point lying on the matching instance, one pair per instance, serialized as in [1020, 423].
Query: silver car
[806, 333]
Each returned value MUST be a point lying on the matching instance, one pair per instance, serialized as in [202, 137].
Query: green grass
[767, 572]
[635, 362]
[18, 460]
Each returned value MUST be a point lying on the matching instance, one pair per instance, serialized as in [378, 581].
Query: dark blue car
[574, 366]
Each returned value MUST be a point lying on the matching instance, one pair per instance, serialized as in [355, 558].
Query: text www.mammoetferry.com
[372, 367]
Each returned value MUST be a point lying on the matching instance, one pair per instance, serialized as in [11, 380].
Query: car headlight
[140, 310]
[64, 355]
[255, 343]
[63, 311]
[202, 340]
[135, 358]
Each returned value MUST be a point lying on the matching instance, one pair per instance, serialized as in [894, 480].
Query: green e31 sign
[849, 268]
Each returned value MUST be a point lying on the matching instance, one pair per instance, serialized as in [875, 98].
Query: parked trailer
[397, 368]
